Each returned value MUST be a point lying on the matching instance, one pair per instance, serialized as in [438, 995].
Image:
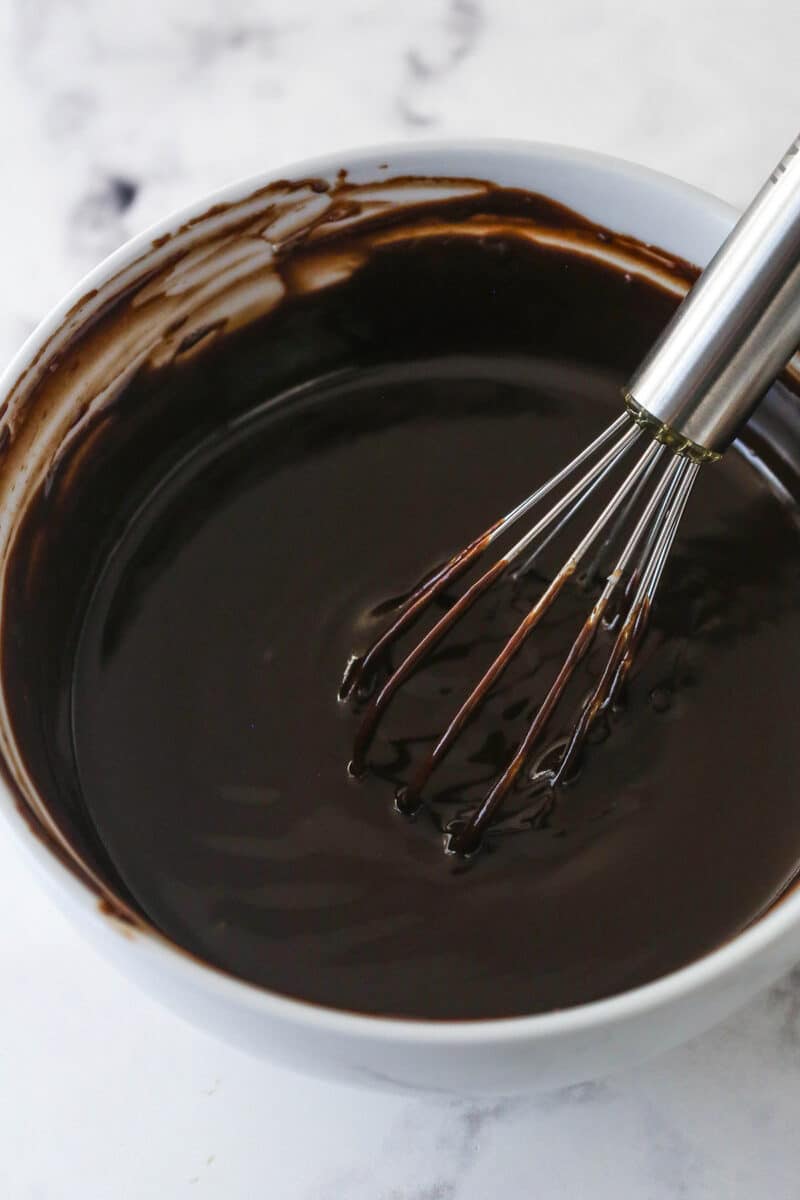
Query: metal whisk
[728, 340]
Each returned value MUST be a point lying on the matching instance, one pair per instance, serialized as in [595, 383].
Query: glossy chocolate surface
[186, 590]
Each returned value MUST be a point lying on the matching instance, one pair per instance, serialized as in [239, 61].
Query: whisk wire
[650, 538]
[569, 503]
[359, 668]
[632, 632]
[411, 796]
[665, 506]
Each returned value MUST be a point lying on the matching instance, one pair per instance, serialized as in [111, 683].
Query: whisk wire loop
[660, 517]
[528, 624]
[636, 573]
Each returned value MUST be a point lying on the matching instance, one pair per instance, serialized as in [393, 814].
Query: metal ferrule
[733, 334]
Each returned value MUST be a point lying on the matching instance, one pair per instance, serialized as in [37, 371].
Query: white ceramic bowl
[501, 1056]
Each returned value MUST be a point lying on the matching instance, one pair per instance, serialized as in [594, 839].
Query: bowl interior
[213, 267]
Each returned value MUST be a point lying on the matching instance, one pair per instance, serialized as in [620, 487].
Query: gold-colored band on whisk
[659, 432]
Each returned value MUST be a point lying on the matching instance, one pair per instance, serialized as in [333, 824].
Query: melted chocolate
[185, 592]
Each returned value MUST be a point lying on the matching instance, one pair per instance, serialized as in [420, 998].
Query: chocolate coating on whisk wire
[652, 534]
[667, 502]
[421, 597]
[696, 387]
[206, 556]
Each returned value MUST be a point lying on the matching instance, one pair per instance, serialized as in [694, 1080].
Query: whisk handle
[735, 331]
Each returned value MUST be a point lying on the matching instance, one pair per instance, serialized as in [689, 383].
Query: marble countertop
[112, 114]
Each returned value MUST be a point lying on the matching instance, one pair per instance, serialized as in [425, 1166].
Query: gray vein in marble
[209, 42]
[593, 1091]
[784, 1001]
[675, 1161]
[444, 1137]
[457, 36]
[96, 223]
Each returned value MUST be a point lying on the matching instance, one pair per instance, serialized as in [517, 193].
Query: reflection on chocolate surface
[258, 447]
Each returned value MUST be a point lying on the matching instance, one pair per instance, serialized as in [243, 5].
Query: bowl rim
[169, 957]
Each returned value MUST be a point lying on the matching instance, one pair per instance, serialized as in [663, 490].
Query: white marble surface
[113, 112]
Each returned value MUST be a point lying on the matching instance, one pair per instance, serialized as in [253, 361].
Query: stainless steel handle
[734, 332]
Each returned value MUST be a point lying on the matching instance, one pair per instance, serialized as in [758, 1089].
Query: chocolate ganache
[192, 574]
